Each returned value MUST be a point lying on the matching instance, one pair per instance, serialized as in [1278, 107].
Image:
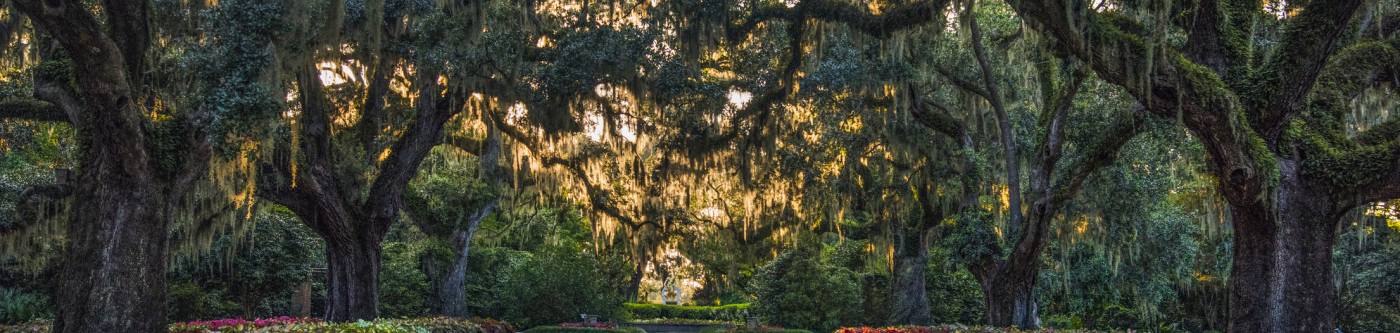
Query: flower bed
[311, 325]
[408, 325]
[959, 329]
[35, 326]
[236, 323]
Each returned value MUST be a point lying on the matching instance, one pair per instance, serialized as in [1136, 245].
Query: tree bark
[1010, 302]
[352, 269]
[634, 287]
[113, 275]
[452, 295]
[908, 296]
[1281, 278]
[113, 279]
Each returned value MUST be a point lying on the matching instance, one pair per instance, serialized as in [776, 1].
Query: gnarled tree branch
[30, 109]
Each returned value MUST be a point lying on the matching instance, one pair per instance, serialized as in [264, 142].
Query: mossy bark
[908, 297]
[1281, 275]
[352, 285]
[113, 275]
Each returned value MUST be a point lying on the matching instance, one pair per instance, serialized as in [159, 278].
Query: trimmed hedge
[958, 329]
[561, 329]
[727, 312]
[754, 330]
[680, 321]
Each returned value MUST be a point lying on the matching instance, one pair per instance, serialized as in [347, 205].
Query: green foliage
[187, 300]
[18, 306]
[403, 288]
[727, 312]
[234, 68]
[1116, 235]
[489, 277]
[680, 321]
[799, 290]
[254, 273]
[1366, 262]
[970, 235]
[953, 293]
[309, 325]
[557, 284]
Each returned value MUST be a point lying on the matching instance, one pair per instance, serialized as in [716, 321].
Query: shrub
[954, 295]
[798, 290]
[955, 329]
[760, 329]
[681, 321]
[557, 285]
[562, 329]
[403, 288]
[188, 300]
[17, 306]
[728, 312]
[245, 274]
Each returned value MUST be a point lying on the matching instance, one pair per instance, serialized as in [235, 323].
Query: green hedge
[558, 329]
[756, 330]
[728, 312]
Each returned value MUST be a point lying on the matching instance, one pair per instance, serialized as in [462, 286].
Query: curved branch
[1008, 133]
[31, 109]
[1101, 154]
[407, 154]
[1309, 40]
[1216, 41]
[1168, 85]
[599, 198]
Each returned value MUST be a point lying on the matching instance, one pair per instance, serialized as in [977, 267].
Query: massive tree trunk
[1281, 278]
[908, 297]
[1010, 301]
[113, 277]
[1008, 285]
[352, 271]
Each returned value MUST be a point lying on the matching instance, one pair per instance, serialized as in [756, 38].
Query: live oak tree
[399, 71]
[1007, 266]
[144, 153]
[947, 170]
[1267, 94]
[352, 145]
